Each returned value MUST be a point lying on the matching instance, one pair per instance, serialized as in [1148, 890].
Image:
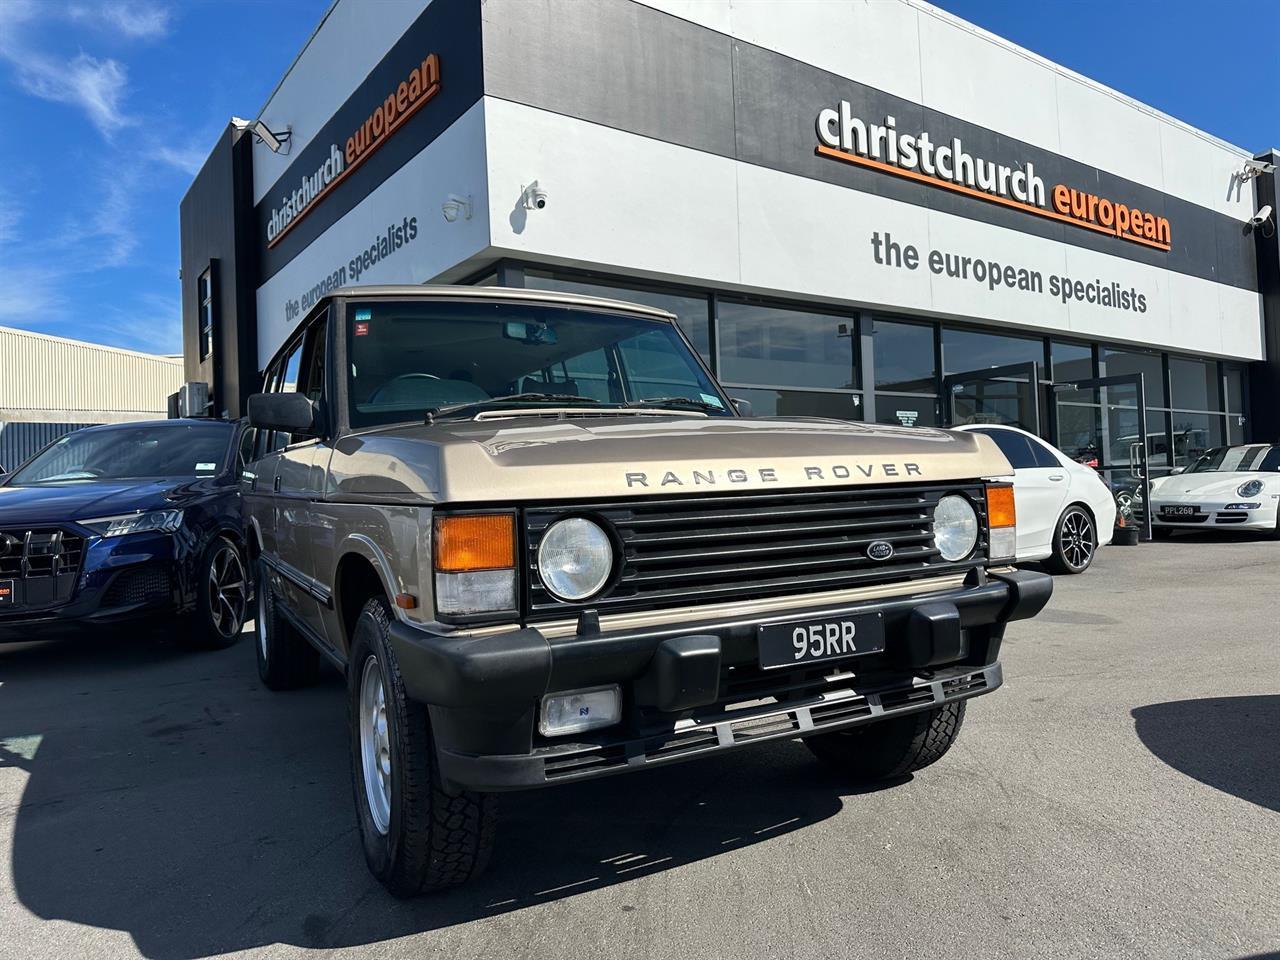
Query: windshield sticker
[206, 467]
[714, 401]
[361, 328]
[364, 314]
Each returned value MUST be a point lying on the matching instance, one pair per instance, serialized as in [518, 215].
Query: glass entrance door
[1102, 423]
[1008, 395]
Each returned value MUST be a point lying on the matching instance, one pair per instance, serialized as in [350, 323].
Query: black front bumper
[683, 687]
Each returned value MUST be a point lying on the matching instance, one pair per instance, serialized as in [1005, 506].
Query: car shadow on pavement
[169, 795]
[1228, 743]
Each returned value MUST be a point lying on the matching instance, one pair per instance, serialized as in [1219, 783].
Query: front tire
[419, 834]
[285, 659]
[222, 600]
[1075, 543]
[890, 748]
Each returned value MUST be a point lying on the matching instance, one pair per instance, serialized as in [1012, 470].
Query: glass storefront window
[800, 403]
[907, 411]
[693, 312]
[1071, 361]
[904, 357]
[1193, 434]
[761, 344]
[1235, 428]
[966, 350]
[1133, 361]
[1235, 389]
[1195, 384]
[1080, 432]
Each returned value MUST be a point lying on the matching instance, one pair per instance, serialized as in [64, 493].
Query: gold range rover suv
[544, 545]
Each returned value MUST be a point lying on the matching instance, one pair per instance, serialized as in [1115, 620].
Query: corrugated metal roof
[52, 373]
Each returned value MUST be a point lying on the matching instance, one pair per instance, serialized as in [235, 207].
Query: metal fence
[19, 441]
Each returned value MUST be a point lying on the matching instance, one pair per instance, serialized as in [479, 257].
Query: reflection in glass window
[1071, 361]
[907, 411]
[1080, 432]
[965, 350]
[1193, 434]
[904, 356]
[1235, 389]
[1148, 364]
[1195, 384]
[1122, 438]
[691, 311]
[771, 345]
[801, 403]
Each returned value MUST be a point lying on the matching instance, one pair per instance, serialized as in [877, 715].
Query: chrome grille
[679, 551]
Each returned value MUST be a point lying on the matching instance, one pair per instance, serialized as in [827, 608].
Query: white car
[1065, 510]
[1227, 488]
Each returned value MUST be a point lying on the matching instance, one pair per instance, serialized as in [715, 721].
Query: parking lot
[1120, 797]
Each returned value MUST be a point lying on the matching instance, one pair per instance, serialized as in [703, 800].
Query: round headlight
[955, 527]
[1250, 488]
[575, 558]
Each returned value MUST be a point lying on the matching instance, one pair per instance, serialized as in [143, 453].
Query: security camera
[456, 206]
[1255, 168]
[533, 197]
[1262, 216]
[276, 141]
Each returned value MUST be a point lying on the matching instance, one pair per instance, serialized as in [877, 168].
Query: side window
[1014, 446]
[286, 381]
[244, 456]
[1044, 456]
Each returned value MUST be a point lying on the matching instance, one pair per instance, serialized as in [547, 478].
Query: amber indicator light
[1000, 509]
[479, 541]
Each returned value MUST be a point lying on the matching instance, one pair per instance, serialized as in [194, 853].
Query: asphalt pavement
[1119, 797]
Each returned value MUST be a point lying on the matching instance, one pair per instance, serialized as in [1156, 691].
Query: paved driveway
[1119, 797]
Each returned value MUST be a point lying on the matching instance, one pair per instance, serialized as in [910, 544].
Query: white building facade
[869, 211]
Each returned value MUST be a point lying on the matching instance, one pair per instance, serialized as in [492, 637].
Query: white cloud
[10, 217]
[139, 21]
[95, 86]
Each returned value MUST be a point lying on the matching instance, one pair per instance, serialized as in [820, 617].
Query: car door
[298, 483]
[1039, 491]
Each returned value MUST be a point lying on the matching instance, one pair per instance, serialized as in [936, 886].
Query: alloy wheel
[1077, 540]
[375, 745]
[228, 592]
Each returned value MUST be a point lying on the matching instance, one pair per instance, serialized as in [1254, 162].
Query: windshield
[141, 452]
[1254, 458]
[407, 359]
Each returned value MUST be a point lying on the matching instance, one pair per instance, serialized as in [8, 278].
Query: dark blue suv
[127, 520]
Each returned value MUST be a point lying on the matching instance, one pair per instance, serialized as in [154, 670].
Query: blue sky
[110, 106]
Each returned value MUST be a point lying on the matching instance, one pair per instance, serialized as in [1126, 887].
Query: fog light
[579, 710]
[1243, 506]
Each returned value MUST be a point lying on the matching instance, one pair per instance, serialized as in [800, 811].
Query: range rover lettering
[544, 546]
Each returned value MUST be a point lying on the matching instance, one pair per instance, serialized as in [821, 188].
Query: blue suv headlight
[157, 521]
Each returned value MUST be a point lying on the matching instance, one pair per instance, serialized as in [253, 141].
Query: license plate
[1181, 510]
[808, 641]
[6, 593]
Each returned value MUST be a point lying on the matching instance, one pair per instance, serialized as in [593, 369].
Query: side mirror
[286, 412]
[742, 406]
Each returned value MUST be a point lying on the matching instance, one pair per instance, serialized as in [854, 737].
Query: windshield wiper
[464, 409]
[676, 402]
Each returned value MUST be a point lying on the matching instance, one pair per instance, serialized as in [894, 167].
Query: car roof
[454, 292]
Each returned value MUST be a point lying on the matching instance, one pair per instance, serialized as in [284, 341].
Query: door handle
[1056, 476]
[275, 485]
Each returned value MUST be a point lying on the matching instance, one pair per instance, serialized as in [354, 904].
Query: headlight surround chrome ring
[1250, 488]
[955, 527]
[575, 559]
